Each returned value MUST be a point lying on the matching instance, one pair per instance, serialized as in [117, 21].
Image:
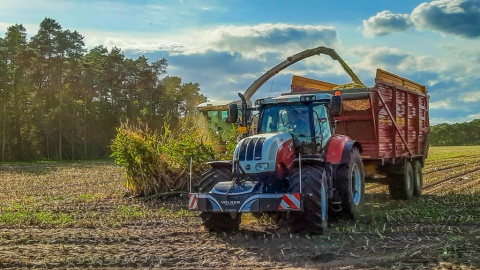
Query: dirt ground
[75, 216]
[181, 243]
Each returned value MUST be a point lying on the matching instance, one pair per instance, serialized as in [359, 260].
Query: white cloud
[431, 68]
[250, 41]
[473, 96]
[262, 38]
[471, 117]
[384, 23]
[441, 104]
[457, 17]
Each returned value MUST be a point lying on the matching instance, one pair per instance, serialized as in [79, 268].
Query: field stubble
[74, 215]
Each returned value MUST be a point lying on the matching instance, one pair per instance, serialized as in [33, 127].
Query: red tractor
[296, 168]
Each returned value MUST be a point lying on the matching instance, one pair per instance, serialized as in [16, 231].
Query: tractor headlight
[307, 98]
[261, 166]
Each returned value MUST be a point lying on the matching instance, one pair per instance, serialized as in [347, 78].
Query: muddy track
[263, 247]
[462, 157]
[434, 170]
[430, 186]
[436, 183]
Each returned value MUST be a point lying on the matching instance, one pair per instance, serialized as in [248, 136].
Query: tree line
[59, 100]
[455, 134]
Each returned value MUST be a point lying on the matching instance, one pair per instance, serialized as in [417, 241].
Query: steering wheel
[290, 126]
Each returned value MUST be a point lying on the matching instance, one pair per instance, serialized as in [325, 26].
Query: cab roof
[291, 98]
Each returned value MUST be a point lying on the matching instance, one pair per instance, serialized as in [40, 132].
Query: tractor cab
[305, 116]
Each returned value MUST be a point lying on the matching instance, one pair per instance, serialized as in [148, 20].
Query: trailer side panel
[390, 122]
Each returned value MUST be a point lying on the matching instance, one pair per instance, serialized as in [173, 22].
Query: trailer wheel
[314, 217]
[213, 221]
[351, 177]
[401, 186]
[418, 178]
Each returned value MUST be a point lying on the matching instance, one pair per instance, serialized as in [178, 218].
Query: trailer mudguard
[338, 149]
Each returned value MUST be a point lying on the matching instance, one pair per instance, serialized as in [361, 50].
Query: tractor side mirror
[233, 113]
[336, 107]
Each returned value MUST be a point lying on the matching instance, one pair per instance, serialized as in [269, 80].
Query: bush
[158, 162]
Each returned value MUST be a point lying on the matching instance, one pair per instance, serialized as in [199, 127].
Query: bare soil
[104, 230]
[181, 243]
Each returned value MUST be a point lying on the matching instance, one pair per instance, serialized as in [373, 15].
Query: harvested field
[74, 215]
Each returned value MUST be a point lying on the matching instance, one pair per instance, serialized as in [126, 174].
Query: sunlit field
[76, 215]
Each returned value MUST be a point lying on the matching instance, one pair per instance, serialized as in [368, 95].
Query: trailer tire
[217, 221]
[351, 180]
[417, 178]
[314, 217]
[400, 186]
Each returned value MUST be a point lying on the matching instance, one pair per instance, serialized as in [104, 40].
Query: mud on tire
[213, 221]
[314, 218]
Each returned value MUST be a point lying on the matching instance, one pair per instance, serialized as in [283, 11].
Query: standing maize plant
[231, 142]
[159, 162]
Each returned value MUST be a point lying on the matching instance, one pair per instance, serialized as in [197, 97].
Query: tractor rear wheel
[351, 180]
[314, 189]
[215, 221]
[417, 178]
[401, 185]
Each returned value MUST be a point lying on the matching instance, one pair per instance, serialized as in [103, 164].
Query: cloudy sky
[226, 44]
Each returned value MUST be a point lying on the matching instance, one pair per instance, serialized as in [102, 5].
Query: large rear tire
[417, 178]
[351, 177]
[401, 186]
[214, 221]
[314, 217]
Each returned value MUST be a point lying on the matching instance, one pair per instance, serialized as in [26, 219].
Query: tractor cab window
[212, 116]
[218, 124]
[287, 118]
[224, 116]
[321, 124]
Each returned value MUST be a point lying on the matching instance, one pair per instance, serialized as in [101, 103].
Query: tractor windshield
[287, 118]
[296, 119]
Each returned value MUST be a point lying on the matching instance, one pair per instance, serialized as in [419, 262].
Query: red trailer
[390, 121]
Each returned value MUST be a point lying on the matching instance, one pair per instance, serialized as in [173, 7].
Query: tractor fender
[338, 149]
[227, 164]
[284, 158]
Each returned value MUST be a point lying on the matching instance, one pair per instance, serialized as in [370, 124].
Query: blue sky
[225, 45]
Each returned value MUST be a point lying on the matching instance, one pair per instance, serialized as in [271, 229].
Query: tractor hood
[265, 152]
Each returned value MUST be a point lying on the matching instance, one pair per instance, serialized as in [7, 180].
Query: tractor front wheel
[314, 217]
